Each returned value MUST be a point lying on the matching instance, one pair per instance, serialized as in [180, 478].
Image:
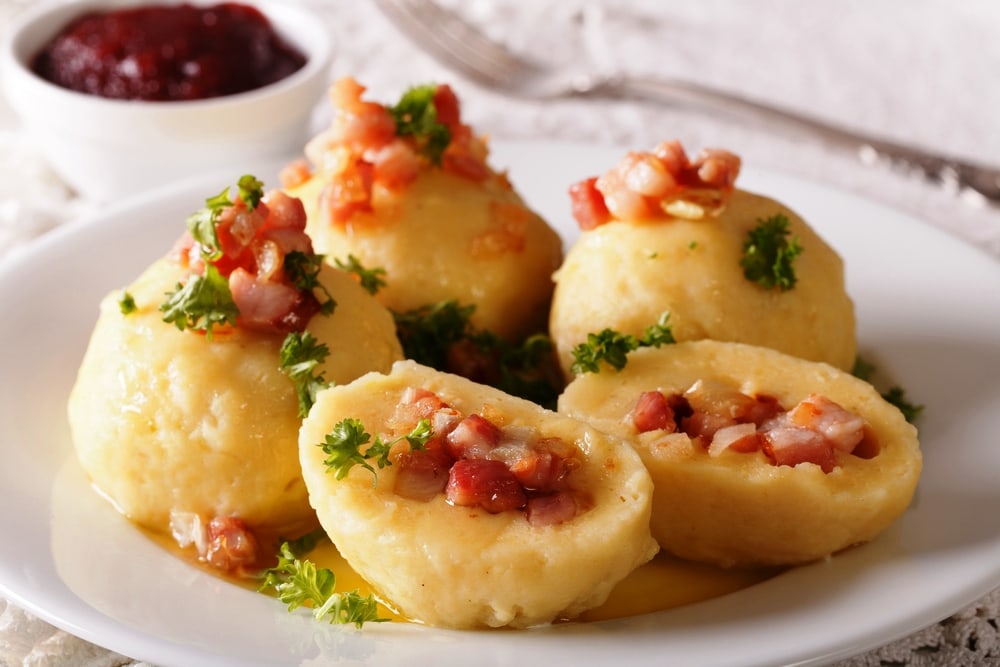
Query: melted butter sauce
[663, 583]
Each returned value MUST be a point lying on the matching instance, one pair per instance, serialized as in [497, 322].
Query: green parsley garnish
[441, 335]
[895, 395]
[343, 446]
[202, 223]
[203, 302]
[299, 356]
[126, 304]
[299, 582]
[416, 116]
[370, 279]
[303, 270]
[768, 254]
[612, 347]
[428, 332]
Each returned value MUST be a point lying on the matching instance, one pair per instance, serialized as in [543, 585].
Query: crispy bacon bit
[361, 151]
[226, 543]
[423, 474]
[254, 244]
[652, 412]
[484, 483]
[478, 463]
[552, 510]
[720, 418]
[662, 183]
[295, 173]
[587, 204]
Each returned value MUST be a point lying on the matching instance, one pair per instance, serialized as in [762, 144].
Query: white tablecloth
[925, 72]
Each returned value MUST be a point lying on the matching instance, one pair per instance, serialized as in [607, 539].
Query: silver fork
[463, 48]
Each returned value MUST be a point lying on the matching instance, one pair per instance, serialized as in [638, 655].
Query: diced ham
[552, 510]
[422, 474]
[737, 437]
[652, 412]
[473, 438]
[225, 543]
[789, 445]
[587, 204]
[842, 429]
[484, 483]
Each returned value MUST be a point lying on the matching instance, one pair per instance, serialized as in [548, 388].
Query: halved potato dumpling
[442, 561]
[738, 508]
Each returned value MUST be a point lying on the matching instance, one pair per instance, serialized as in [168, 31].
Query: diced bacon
[738, 437]
[473, 438]
[587, 204]
[295, 173]
[447, 107]
[422, 474]
[262, 305]
[484, 483]
[789, 445]
[717, 168]
[652, 412]
[842, 428]
[226, 543]
[552, 509]
[540, 470]
[646, 175]
[283, 211]
[232, 546]
[348, 192]
[465, 165]
[622, 203]
[671, 154]
[396, 164]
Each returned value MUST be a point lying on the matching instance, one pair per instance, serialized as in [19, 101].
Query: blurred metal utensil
[462, 47]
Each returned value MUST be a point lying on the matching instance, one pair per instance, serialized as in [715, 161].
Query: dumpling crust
[625, 275]
[463, 567]
[164, 420]
[738, 509]
[448, 237]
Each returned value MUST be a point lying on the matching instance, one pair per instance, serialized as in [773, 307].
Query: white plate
[928, 311]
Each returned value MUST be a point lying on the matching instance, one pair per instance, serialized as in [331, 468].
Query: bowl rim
[40, 22]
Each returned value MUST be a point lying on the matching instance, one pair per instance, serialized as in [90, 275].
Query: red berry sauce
[168, 52]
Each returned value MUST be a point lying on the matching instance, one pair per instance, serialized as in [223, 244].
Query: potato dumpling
[772, 503]
[624, 273]
[167, 421]
[441, 223]
[511, 515]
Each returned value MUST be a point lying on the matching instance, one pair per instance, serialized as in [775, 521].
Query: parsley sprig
[612, 347]
[370, 279]
[894, 395]
[431, 334]
[343, 446]
[303, 270]
[300, 583]
[299, 357]
[202, 303]
[768, 254]
[416, 117]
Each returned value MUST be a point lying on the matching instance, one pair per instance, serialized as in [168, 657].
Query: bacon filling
[719, 418]
[475, 462]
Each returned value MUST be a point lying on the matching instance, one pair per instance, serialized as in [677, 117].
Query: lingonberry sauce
[168, 52]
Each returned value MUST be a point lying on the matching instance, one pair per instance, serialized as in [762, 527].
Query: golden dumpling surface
[738, 508]
[625, 275]
[168, 421]
[461, 566]
[448, 237]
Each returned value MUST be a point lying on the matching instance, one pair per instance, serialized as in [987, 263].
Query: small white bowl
[106, 149]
